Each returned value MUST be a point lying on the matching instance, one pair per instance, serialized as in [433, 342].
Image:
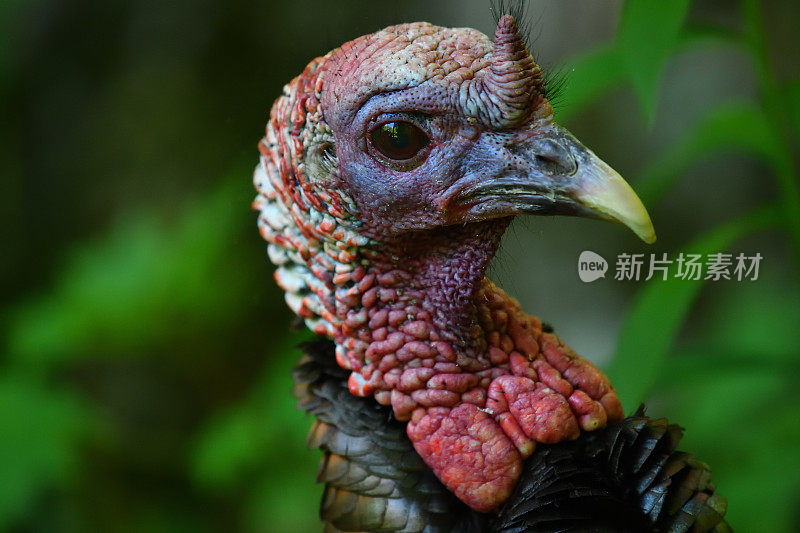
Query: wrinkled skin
[388, 258]
[424, 74]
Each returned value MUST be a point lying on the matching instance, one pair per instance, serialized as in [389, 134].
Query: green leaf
[742, 421]
[258, 445]
[697, 36]
[648, 34]
[144, 281]
[733, 389]
[786, 173]
[228, 447]
[792, 98]
[658, 311]
[736, 126]
[284, 503]
[745, 426]
[589, 76]
[39, 429]
[770, 312]
[244, 438]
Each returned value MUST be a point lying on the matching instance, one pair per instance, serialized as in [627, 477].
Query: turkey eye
[399, 140]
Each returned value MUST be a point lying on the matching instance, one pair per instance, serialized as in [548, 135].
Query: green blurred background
[144, 380]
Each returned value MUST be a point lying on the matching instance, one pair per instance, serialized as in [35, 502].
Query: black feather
[628, 476]
[555, 85]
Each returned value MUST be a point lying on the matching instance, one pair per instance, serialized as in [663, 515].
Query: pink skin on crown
[419, 326]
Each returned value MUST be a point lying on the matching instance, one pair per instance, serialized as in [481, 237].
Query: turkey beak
[552, 173]
[598, 187]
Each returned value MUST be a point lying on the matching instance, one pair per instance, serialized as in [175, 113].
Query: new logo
[591, 266]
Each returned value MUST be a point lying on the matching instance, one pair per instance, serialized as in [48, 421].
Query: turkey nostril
[552, 157]
[547, 160]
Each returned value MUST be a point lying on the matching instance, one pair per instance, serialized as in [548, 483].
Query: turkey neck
[422, 284]
[440, 271]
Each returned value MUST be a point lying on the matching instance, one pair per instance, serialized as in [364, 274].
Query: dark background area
[144, 371]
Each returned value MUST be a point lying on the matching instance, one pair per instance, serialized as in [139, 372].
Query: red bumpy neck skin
[413, 317]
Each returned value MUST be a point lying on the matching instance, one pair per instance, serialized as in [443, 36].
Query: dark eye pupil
[399, 140]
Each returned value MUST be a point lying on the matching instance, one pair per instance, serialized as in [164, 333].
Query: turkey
[389, 171]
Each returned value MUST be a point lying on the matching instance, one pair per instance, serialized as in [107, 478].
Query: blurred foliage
[754, 383]
[41, 429]
[648, 32]
[145, 382]
[254, 446]
[667, 303]
[140, 284]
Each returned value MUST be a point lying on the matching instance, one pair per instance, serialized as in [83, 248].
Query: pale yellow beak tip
[648, 234]
[604, 191]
